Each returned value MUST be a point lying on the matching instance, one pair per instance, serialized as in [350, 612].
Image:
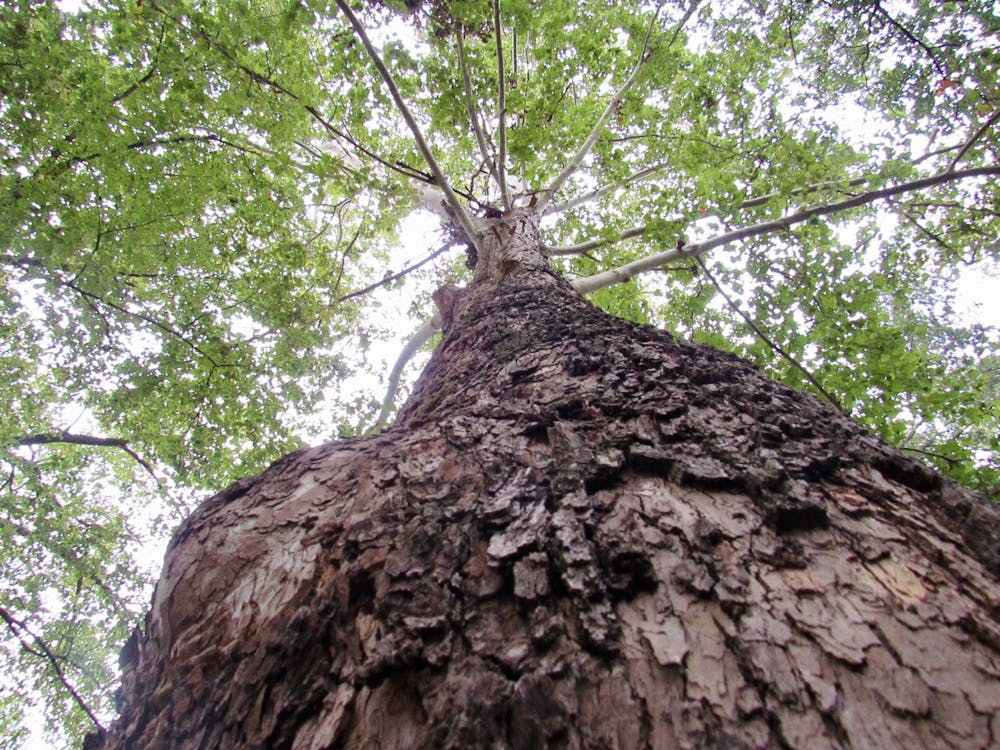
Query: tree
[198, 194]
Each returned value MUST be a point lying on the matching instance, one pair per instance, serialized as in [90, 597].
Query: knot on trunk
[445, 298]
[510, 244]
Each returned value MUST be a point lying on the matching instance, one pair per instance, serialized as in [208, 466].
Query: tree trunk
[580, 533]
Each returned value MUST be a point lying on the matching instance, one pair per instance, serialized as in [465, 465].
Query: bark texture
[580, 533]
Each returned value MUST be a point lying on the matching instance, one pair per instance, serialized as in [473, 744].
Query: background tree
[196, 194]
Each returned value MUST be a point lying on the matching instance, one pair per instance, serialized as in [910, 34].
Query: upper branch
[17, 627]
[269, 82]
[585, 247]
[461, 216]
[627, 271]
[421, 337]
[477, 128]
[70, 438]
[393, 276]
[767, 339]
[605, 189]
[595, 132]
[612, 106]
[911, 37]
[501, 171]
[972, 139]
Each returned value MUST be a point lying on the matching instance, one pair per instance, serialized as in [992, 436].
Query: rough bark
[580, 533]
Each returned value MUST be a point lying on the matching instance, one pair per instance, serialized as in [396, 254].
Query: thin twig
[16, 628]
[393, 277]
[605, 189]
[926, 232]
[139, 316]
[760, 200]
[683, 22]
[149, 73]
[909, 35]
[584, 247]
[766, 339]
[460, 214]
[274, 85]
[502, 105]
[951, 461]
[973, 138]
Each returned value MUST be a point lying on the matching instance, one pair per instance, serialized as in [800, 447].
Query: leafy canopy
[194, 192]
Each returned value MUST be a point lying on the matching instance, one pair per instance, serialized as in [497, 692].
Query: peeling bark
[580, 533]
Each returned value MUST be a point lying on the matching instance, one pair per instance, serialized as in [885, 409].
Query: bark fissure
[580, 532]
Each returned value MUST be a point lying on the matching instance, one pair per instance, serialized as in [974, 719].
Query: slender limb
[266, 81]
[605, 189]
[460, 214]
[41, 649]
[96, 299]
[421, 337]
[683, 22]
[975, 137]
[75, 439]
[513, 47]
[623, 273]
[502, 104]
[154, 66]
[470, 101]
[393, 277]
[936, 239]
[403, 169]
[595, 132]
[585, 247]
[766, 339]
[932, 454]
[749, 203]
[909, 35]
[831, 184]
[70, 438]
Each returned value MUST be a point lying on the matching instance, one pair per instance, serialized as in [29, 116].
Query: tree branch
[684, 19]
[460, 214]
[274, 85]
[16, 628]
[909, 35]
[766, 339]
[605, 189]
[932, 454]
[585, 247]
[629, 270]
[502, 105]
[421, 337]
[392, 277]
[972, 139]
[548, 193]
[69, 438]
[139, 316]
[477, 127]
[808, 190]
